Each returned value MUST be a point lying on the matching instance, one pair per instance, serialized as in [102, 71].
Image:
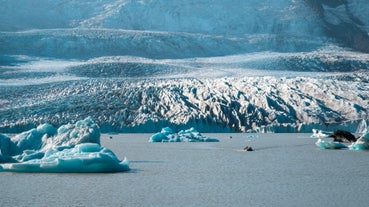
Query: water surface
[284, 170]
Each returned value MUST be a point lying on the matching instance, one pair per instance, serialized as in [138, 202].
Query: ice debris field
[75, 148]
[70, 148]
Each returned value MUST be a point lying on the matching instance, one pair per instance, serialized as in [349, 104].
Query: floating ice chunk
[167, 130]
[362, 143]
[45, 136]
[83, 131]
[329, 144]
[83, 158]
[31, 144]
[71, 148]
[189, 135]
[320, 134]
[159, 137]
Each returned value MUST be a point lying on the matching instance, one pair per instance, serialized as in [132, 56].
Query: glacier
[217, 66]
[72, 148]
[232, 104]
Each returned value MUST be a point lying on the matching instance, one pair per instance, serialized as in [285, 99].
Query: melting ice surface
[189, 135]
[70, 148]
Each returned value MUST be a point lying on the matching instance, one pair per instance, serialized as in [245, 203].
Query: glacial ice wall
[208, 104]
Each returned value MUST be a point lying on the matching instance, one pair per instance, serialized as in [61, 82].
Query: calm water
[284, 170]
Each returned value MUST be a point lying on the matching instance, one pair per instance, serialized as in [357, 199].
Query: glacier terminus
[218, 66]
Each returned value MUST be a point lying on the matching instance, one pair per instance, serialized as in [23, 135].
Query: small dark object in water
[230, 137]
[111, 137]
[247, 148]
[343, 136]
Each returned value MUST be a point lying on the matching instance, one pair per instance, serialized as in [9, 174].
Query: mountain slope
[344, 22]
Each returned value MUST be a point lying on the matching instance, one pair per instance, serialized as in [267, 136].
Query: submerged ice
[70, 148]
[189, 135]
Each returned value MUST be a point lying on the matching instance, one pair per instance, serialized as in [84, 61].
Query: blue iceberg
[329, 144]
[70, 148]
[189, 135]
[362, 143]
[82, 158]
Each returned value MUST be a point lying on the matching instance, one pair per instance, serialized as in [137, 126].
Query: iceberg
[329, 144]
[320, 134]
[189, 135]
[362, 143]
[325, 141]
[82, 158]
[73, 148]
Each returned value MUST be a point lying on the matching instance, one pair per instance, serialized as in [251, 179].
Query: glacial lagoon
[284, 170]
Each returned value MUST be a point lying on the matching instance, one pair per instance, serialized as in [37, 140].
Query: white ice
[320, 134]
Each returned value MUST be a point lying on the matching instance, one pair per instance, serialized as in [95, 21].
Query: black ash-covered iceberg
[340, 140]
